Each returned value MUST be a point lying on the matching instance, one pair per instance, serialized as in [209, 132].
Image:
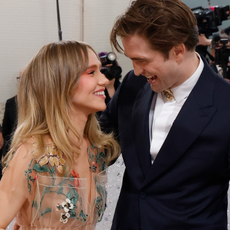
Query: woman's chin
[102, 108]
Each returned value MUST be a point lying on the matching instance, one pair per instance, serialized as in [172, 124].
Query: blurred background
[28, 25]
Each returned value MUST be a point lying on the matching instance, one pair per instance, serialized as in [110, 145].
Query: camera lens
[111, 56]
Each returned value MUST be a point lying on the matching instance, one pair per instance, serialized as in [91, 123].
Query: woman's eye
[92, 72]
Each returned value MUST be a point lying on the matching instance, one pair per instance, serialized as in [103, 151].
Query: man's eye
[141, 61]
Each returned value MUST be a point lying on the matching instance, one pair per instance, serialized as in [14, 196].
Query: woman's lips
[100, 93]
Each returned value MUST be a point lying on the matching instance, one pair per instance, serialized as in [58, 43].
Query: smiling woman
[55, 171]
[90, 93]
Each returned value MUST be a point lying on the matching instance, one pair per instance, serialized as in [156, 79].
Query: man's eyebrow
[139, 59]
[136, 58]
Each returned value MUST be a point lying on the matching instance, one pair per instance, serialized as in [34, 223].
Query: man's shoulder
[131, 81]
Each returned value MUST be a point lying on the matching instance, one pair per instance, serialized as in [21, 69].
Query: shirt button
[143, 195]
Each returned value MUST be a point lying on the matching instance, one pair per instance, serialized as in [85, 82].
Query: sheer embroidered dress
[74, 201]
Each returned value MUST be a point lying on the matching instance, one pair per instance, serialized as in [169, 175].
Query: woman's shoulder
[23, 154]
[31, 154]
[29, 147]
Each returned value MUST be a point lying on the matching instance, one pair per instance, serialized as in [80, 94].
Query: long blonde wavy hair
[45, 98]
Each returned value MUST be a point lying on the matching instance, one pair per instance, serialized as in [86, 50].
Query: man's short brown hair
[164, 23]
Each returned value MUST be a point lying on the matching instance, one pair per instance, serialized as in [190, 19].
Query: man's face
[161, 73]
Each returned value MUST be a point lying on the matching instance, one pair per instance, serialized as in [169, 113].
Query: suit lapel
[191, 120]
[140, 125]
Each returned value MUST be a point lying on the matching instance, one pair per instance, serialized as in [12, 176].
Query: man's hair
[164, 23]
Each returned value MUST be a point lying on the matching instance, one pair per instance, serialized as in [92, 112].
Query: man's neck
[189, 65]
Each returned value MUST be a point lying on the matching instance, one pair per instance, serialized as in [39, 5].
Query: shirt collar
[182, 91]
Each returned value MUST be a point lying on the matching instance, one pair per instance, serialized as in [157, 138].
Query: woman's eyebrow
[94, 66]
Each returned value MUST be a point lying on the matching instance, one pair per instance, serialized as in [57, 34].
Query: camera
[112, 72]
[222, 55]
[108, 59]
[110, 67]
[208, 19]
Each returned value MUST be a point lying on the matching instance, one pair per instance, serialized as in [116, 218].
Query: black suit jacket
[186, 186]
[9, 122]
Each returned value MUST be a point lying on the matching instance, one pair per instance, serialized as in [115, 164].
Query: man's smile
[151, 79]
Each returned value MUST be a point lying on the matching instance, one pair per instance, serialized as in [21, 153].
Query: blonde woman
[55, 172]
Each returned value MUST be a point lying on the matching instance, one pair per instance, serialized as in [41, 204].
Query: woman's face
[89, 96]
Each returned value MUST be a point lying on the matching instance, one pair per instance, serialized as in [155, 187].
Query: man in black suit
[8, 126]
[171, 117]
[9, 122]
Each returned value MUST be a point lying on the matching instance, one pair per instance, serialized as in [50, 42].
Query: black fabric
[9, 122]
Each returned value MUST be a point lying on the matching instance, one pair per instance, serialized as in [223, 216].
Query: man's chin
[155, 89]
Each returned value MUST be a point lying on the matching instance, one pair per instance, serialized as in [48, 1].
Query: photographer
[221, 47]
[220, 52]
[112, 71]
[209, 19]
[203, 47]
[204, 41]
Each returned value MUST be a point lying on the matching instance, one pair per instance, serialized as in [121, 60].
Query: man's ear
[178, 51]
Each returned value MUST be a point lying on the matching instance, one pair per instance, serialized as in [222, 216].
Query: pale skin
[204, 41]
[87, 98]
[161, 73]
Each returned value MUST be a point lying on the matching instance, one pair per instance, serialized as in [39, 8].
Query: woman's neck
[78, 120]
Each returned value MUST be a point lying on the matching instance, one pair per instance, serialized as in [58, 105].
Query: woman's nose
[103, 80]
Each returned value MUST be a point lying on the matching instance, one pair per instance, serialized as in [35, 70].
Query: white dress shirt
[163, 112]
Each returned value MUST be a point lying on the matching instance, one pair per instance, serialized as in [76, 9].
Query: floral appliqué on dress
[94, 161]
[71, 207]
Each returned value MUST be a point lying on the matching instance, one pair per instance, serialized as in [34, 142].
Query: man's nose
[137, 69]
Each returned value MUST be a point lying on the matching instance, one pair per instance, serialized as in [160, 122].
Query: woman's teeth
[101, 93]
